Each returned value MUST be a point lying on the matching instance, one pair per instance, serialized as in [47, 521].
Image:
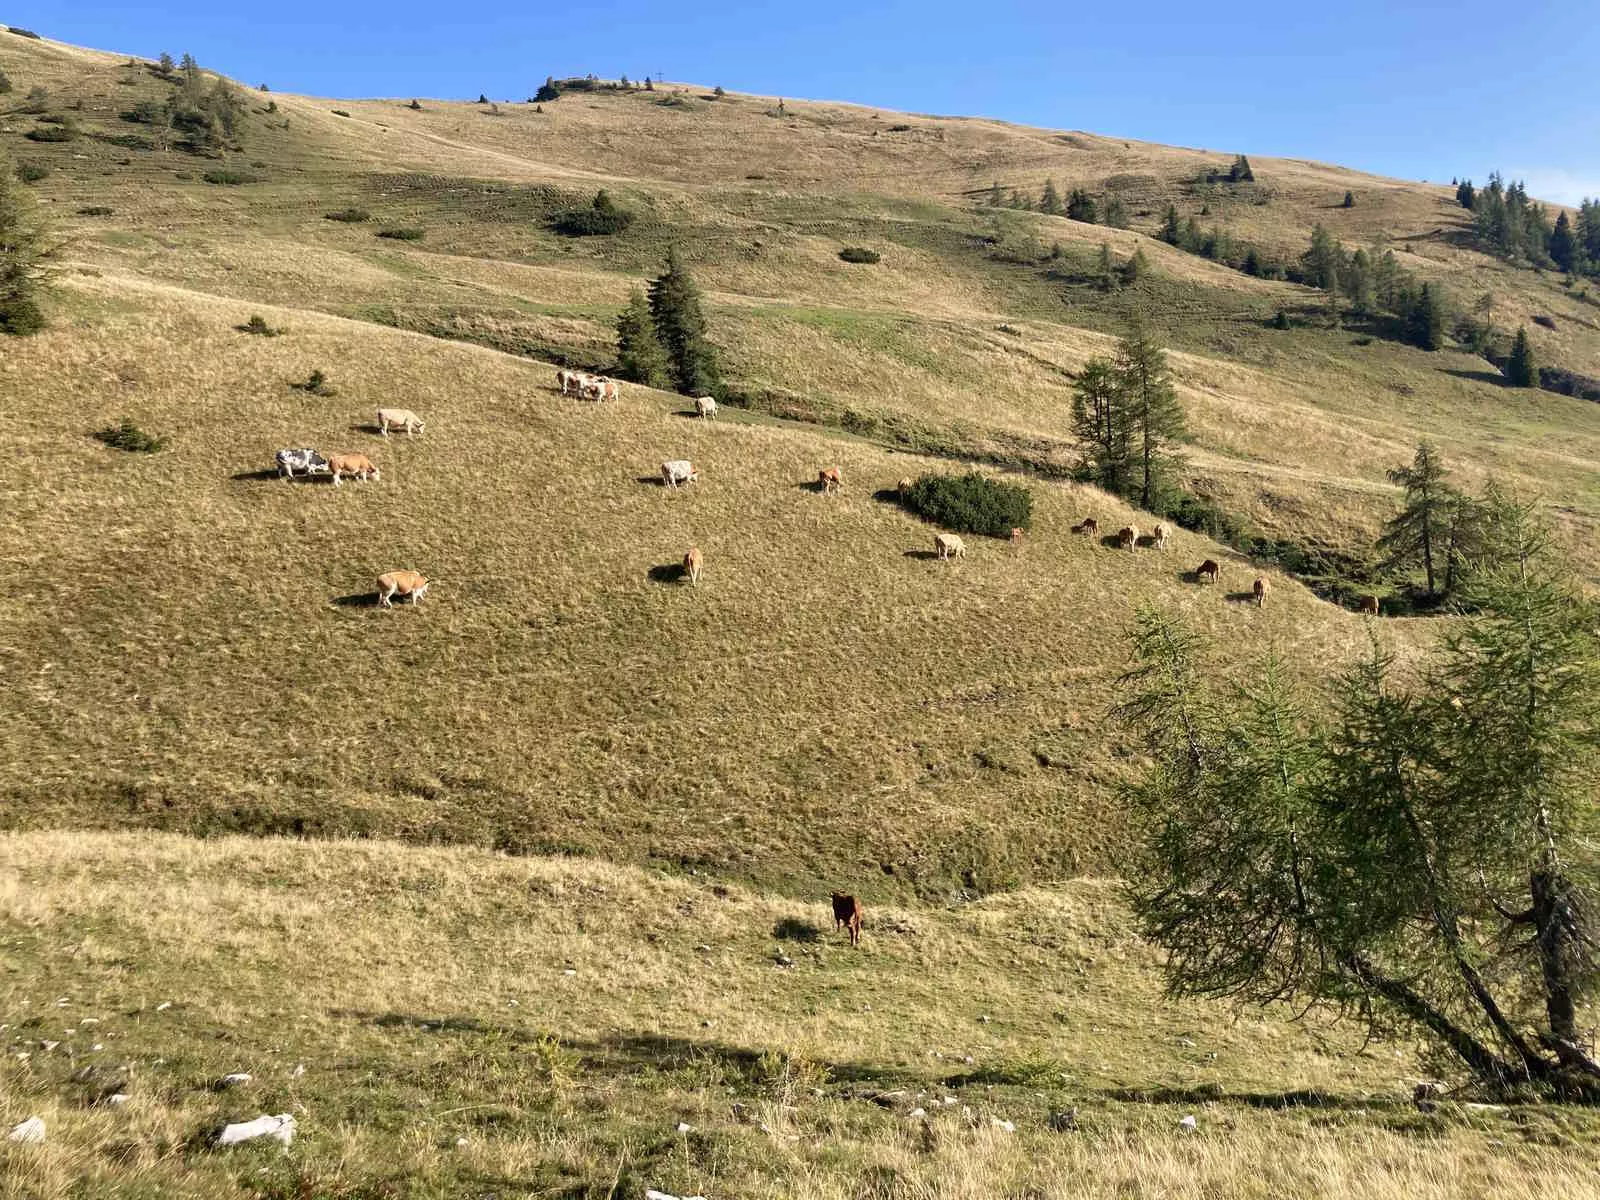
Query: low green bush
[971, 503]
[352, 216]
[94, 210]
[52, 133]
[125, 435]
[20, 316]
[859, 254]
[339, 112]
[600, 218]
[407, 234]
[257, 324]
[31, 172]
[230, 177]
[27, 33]
[5, 83]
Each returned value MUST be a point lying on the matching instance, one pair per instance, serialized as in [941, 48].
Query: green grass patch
[230, 177]
[350, 216]
[859, 254]
[403, 234]
[125, 435]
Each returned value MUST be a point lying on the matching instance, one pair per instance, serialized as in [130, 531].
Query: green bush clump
[31, 172]
[229, 177]
[94, 210]
[52, 133]
[410, 234]
[601, 217]
[257, 324]
[20, 316]
[859, 254]
[352, 216]
[5, 83]
[971, 503]
[27, 33]
[339, 112]
[125, 435]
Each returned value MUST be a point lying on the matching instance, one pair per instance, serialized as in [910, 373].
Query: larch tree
[1154, 417]
[1416, 534]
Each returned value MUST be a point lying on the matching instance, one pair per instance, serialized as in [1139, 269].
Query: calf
[1016, 535]
[693, 563]
[1260, 589]
[1208, 572]
[305, 460]
[829, 480]
[357, 466]
[847, 914]
[401, 583]
[677, 471]
[1087, 525]
[399, 418]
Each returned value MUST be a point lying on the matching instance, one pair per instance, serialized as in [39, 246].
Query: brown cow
[830, 480]
[847, 913]
[1127, 537]
[401, 583]
[1016, 535]
[693, 563]
[1261, 587]
[903, 487]
[1369, 606]
[1209, 571]
[1087, 525]
[357, 466]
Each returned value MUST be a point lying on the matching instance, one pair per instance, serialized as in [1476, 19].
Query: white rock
[652, 1194]
[117, 1100]
[49, 1046]
[569, 971]
[89, 1021]
[299, 1070]
[984, 1019]
[236, 1079]
[1189, 1124]
[164, 1005]
[461, 1141]
[68, 1032]
[97, 1046]
[1005, 1125]
[280, 1128]
[949, 1101]
[685, 1127]
[30, 1132]
[703, 948]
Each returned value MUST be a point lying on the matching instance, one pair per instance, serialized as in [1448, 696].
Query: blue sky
[1417, 90]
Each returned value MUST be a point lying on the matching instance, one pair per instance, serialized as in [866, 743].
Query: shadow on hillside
[369, 427]
[688, 414]
[814, 486]
[356, 600]
[668, 573]
[1192, 576]
[794, 929]
[889, 496]
[650, 480]
[1298, 1098]
[1493, 377]
[1111, 542]
[260, 476]
[1240, 597]
[922, 555]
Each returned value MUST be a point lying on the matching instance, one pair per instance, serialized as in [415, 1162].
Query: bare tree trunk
[1469, 1049]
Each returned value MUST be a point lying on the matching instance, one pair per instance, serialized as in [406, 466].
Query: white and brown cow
[949, 545]
[401, 583]
[693, 563]
[678, 471]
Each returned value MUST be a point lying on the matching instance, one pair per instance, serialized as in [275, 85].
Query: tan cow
[1260, 589]
[1127, 537]
[830, 480]
[1209, 571]
[706, 406]
[1016, 535]
[1087, 525]
[1163, 533]
[566, 380]
[693, 563]
[949, 545]
[1369, 606]
[904, 487]
[401, 583]
[357, 466]
[399, 418]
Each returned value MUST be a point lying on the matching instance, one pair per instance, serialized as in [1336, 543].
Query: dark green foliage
[52, 133]
[1240, 171]
[718, 92]
[1050, 199]
[1101, 427]
[317, 384]
[1280, 320]
[1425, 320]
[94, 210]
[640, 357]
[38, 100]
[1322, 262]
[858, 254]
[1127, 421]
[1252, 262]
[164, 65]
[1081, 206]
[1466, 195]
[230, 177]
[482, 98]
[414, 106]
[24, 257]
[1520, 369]
[1349, 200]
[27, 33]
[146, 112]
[997, 198]
[1506, 222]
[257, 324]
[351, 216]
[681, 327]
[31, 172]
[1116, 213]
[125, 435]
[1563, 245]
[1135, 267]
[339, 112]
[403, 233]
[548, 91]
[971, 503]
[602, 217]
[1418, 535]
[5, 84]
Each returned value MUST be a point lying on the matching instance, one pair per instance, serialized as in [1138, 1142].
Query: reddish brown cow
[1261, 587]
[1087, 525]
[830, 480]
[1209, 571]
[1369, 606]
[847, 913]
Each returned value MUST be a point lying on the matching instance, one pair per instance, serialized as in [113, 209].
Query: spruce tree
[1252, 262]
[681, 328]
[997, 198]
[1170, 230]
[1115, 214]
[1323, 259]
[1100, 424]
[1240, 172]
[1349, 200]
[1105, 271]
[1521, 370]
[1425, 325]
[640, 357]
[1135, 267]
[1154, 417]
[1416, 535]
[1466, 195]
[1081, 206]
[24, 255]
[1050, 199]
[1563, 246]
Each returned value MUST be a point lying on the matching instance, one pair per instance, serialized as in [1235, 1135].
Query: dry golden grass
[562, 1017]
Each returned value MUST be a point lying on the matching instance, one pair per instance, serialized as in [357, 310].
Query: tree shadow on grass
[1492, 377]
[795, 929]
[356, 600]
[668, 573]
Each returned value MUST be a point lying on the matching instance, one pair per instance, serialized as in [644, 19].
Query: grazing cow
[1209, 571]
[608, 389]
[1087, 525]
[1127, 537]
[847, 915]
[693, 563]
[1163, 532]
[597, 387]
[566, 380]
[830, 480]
[399, 418]
[678, 470]
[1260, 588]
[949, 545]
[357, 466]
[1016, 535]
[401, 583]
[903, 487]
[305, 460]
[1369, 606]
[706, 406]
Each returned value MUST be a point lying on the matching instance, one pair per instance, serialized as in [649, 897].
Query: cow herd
[1210, 571]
